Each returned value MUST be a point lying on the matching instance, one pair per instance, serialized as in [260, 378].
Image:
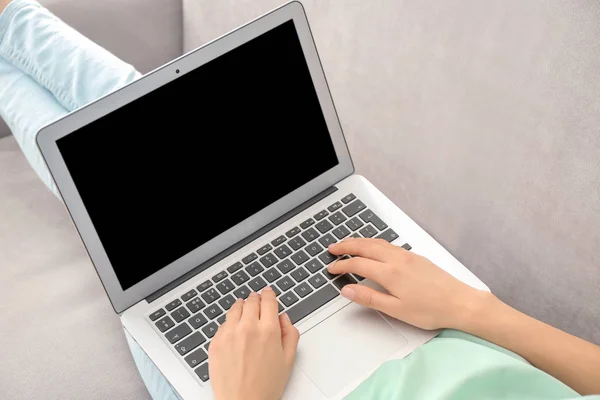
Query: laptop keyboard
[294, 265]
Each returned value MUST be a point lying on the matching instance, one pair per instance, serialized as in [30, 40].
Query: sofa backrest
[481, 120]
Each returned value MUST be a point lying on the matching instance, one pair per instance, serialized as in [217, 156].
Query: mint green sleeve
[456, 365]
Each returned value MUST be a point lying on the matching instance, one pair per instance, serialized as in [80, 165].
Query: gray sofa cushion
[480, 120]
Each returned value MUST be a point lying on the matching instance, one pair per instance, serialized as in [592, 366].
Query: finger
[268, 305]
[235, 312]
[374, 270]
[375, 249]
[251, 310]
[369, 297]
[289, 338]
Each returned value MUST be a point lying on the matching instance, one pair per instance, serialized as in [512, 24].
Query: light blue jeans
[47, 70]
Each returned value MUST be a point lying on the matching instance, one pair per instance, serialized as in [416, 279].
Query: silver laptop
[221, 173]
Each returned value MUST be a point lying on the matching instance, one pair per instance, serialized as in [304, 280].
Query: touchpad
[346, 346]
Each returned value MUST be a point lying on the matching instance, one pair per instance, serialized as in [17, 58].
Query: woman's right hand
[420, 293]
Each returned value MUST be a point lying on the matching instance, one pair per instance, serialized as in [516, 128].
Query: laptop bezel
[48, 136]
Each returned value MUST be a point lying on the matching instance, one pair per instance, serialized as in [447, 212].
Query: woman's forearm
[571, 360]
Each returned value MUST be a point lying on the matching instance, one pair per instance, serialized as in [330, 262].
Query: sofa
[481, 120]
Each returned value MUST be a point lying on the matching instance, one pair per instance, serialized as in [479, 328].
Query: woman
[252, 354]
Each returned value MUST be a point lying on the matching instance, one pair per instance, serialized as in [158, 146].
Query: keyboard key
[249, 258]
[369, 216]
[157, 314]
[257, 283]
[317, 281]
[225, 287]
[354, 223]
[226, 302]
[313, 249]
[221, 319]
[300, 257]
[195, 305]
[196, 358]
[286, 283]
[197, 321]
[312, 303]
[334, 206]
[242, 292]
[239, 277]
[204, 285]
[282, 251]
[389, 235]
[190, 343]
[268, 260]
[178, 333]
[358, 277]
[264, 249]
[286, 266]
[327, 240]
[254, 269]
[299, 274]
[324, 226]
[307, 223]
[219, 277]
[355, 235]
[202, 372]
[279, 307]
[303, 290]
[210, 295]
[343, 280]
[276, 290]
[406, 246]
[272, 275]
[289, 298]
[368, 231]
[310, 234]
[278, 241]
[189, 295]
[207, 345]
[165, 323]
[348, 198]
[296, 243]
[328, 275]
[351, 209]
[235, 267]
[213, 311]
[327, 258]
[337, 218]
[172, 305]
[313, 265]
[341, 232]
[320, 215]
[292, 232]
[210, 330]
[180, 314]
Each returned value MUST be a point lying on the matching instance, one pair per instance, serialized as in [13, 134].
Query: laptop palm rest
[345, 346]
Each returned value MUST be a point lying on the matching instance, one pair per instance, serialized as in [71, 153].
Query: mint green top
[456, 365]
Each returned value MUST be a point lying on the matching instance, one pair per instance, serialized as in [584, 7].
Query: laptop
[216, 175]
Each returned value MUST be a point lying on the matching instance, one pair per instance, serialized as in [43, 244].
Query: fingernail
[254, 294]
[331, 245]
[239, 300]
[268, 288]
[349, 293]
[287, 317]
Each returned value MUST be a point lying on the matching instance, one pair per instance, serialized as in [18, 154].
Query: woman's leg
[46, 70]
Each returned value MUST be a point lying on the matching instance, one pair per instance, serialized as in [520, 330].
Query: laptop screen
[175, 168]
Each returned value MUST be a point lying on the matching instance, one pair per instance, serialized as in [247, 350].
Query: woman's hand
[252, 354]
[420, 293]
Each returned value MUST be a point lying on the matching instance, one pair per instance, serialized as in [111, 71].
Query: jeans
[47, 70]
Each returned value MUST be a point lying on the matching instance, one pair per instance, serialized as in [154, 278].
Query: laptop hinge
[210, 262]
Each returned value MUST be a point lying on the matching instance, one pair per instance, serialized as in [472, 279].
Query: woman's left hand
[252, 354]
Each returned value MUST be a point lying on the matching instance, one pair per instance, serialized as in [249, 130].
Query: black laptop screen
[175, 168]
